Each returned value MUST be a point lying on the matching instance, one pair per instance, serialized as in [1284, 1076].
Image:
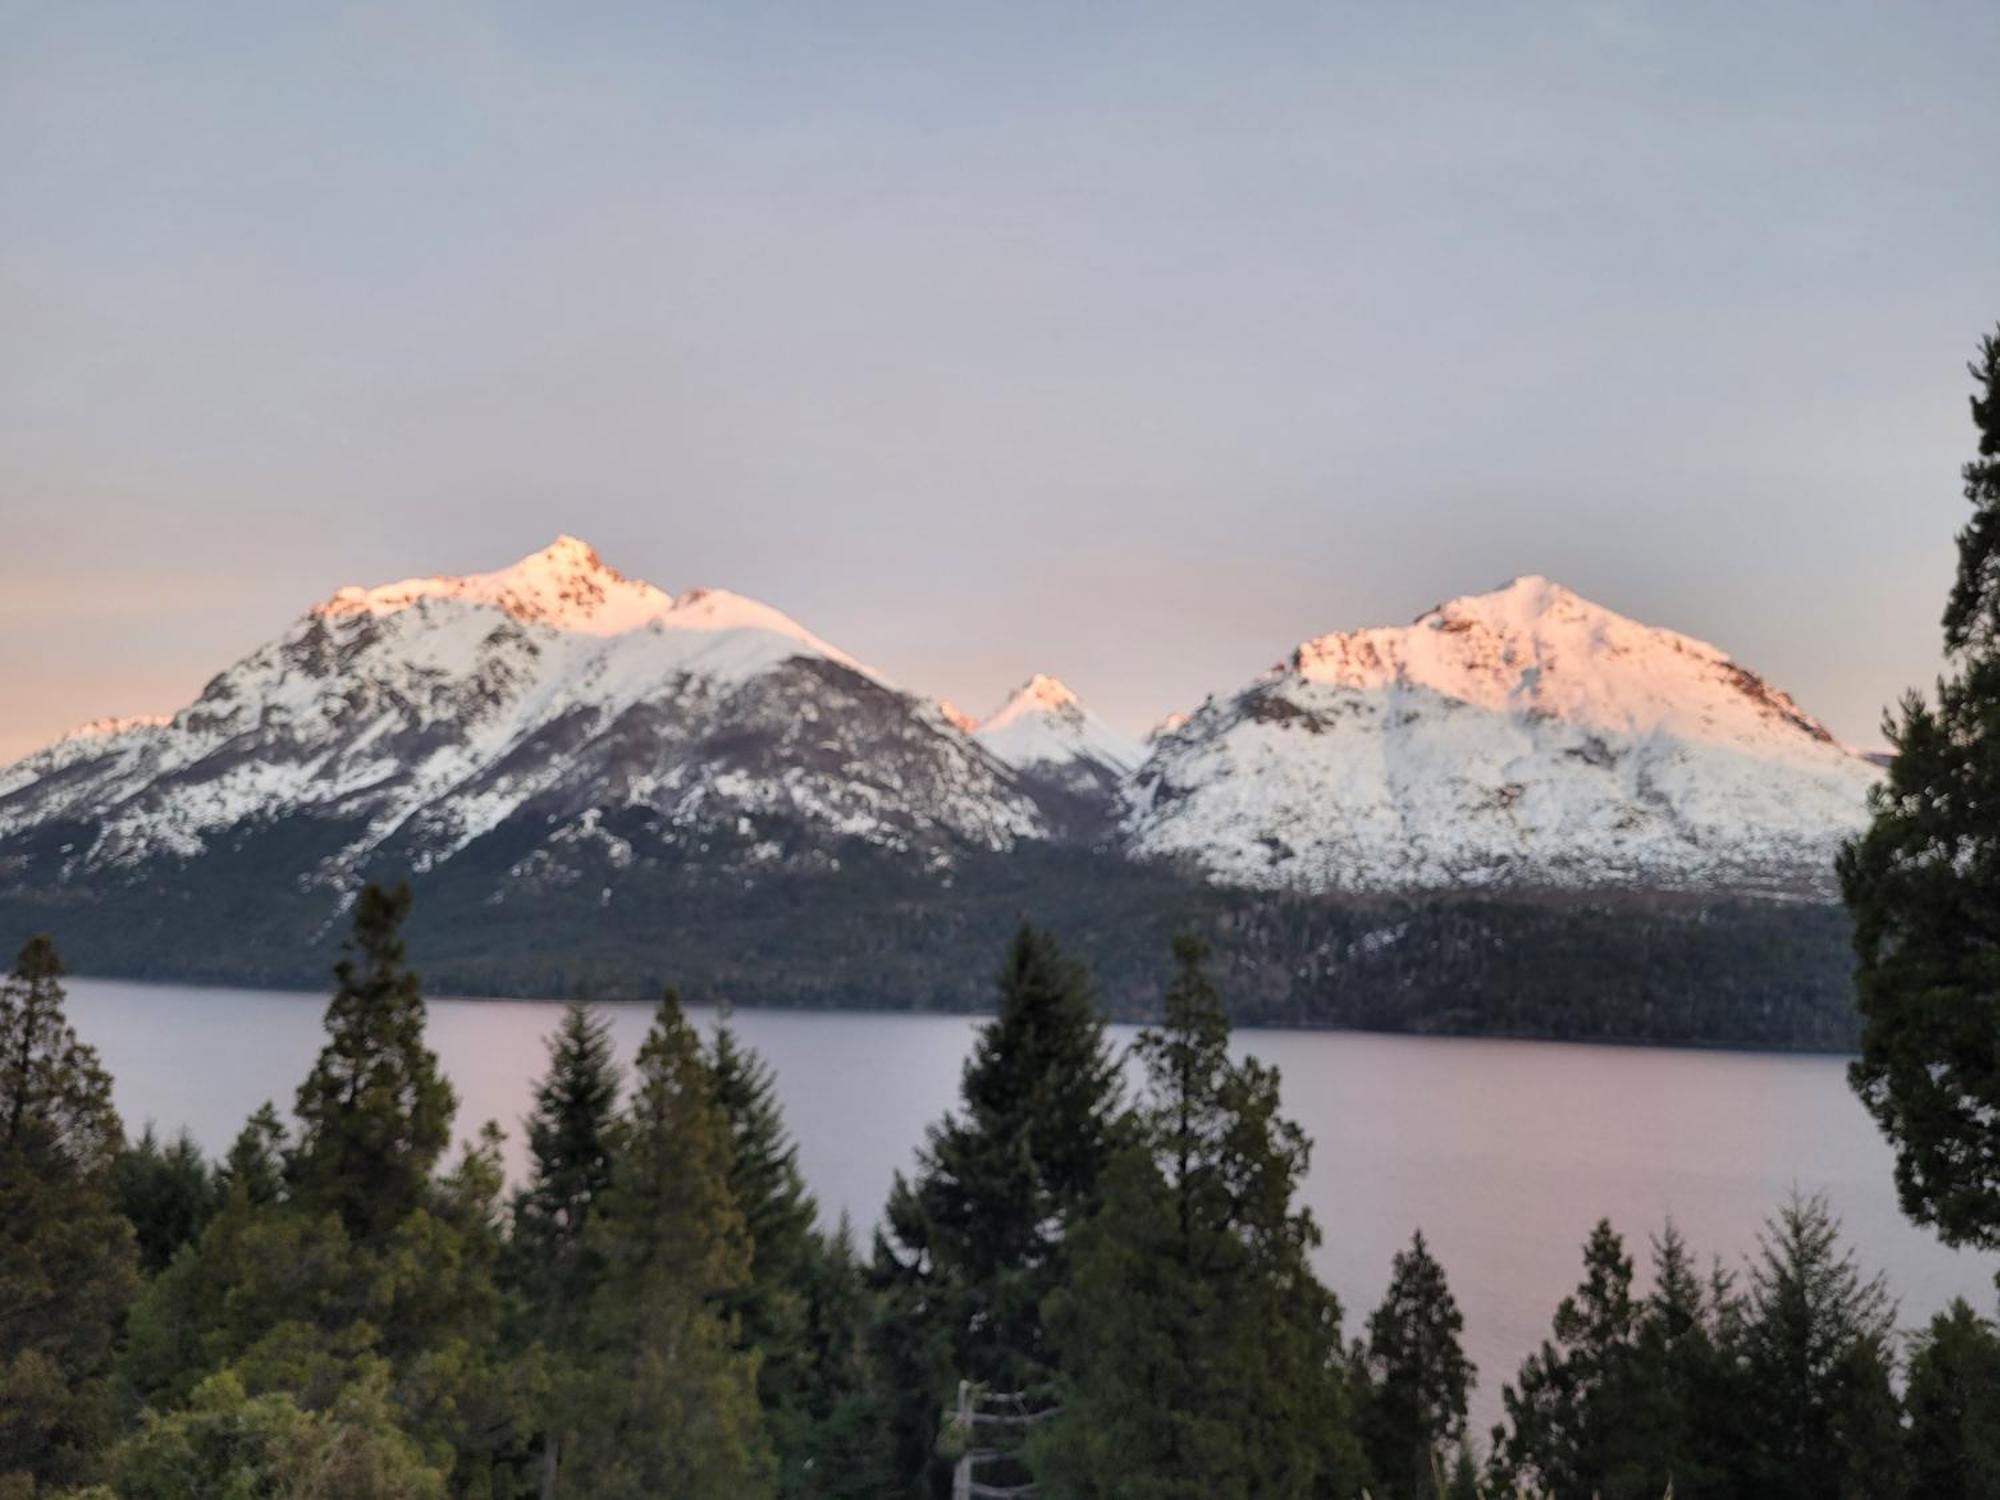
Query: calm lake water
[1504, 1153]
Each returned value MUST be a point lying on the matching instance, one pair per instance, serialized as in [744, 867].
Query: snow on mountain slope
[1523, 737]
[1073, 760]
[411, 719]
[1043, 723]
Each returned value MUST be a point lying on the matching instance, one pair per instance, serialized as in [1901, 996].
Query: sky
[1131, 343]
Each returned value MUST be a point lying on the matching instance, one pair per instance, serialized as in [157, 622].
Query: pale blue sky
[1131, 343]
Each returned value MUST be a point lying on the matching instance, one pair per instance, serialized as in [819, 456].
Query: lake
[1504, 1153]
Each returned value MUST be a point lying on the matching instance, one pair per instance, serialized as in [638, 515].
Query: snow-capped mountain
[1044, 732]
[1526, 737]
[554, 705]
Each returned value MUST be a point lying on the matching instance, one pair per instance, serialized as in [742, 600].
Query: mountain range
[557, 736]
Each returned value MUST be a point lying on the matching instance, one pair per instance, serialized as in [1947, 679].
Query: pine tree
[1199, 1354]
[973, 1246]
[375, 1111]
[570, 1144]
[254, 1171]
[674, 1407]
[1923, 886]
[551, 1260]
[1568, 1410]
[1419, 1377]
[168, 1192]
[770, 1311]
[1683, 1426]
[1817, 1361]
[846, 1457]
[1954, 1406]
[67, 1262]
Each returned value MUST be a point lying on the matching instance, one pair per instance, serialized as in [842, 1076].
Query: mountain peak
[1534, 646]
[1040, 694]
[566, 585]
[1043, 722]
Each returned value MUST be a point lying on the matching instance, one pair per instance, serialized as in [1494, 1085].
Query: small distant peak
[1041, 692]
[1043, 721]
[1166, 727]
[957, 717]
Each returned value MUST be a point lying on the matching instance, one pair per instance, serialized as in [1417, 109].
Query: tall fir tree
[771, 1309]
[1954, 1406]
[552, 1265]
[571, 1132]
[1418, 1377]
[1923, 886]
[68, 1267]
[1683, 1426]
[1567, 1410]
[1818, 1361]
[975, 1243]
[674, 1408]
[1200, 1356]
[375, 1112]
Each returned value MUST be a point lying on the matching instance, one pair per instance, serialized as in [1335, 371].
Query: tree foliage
[1199, 1354]
[67, 1261]
[1923, 884]
[375, 1112]
[973, 1246]
[1418, 1378]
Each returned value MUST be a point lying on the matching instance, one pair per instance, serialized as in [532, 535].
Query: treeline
[881, 935]
[1097, 1281]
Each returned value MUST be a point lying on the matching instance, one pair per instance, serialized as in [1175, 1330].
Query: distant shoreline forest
[1628, 967]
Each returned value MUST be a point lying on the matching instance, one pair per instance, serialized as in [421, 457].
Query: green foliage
[1418, 1376]
[1954, 1406]
[1782, 1393]
[770, 1311]
[67, 1262]
[226, 1445]
[1199, 1354]
[672, 1406]
[376, 1113]
[846, 1453]
[973, 1246]
[168, 1192]
[570, 1142]
[1923, 885]
[1817, 1360]
[302, 1284]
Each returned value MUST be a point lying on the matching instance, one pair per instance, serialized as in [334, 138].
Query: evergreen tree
[570, 1144]
[375, 1111]
[770, 1311]
[1923, 886]
[1954, 1406]
[1418, 1376]
[357, 1262]
[1567, 1412]
[254, 1171]
[674, 1407]
[976, 1242]
[168, 1192]
[67, 1262]
[1822, 1415]
[552, 1261]
[846, 1457]
[1683, 1423]
[1200, 1356]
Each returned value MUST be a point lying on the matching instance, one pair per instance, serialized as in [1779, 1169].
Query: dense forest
[1086, 1287]
[880, 935]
